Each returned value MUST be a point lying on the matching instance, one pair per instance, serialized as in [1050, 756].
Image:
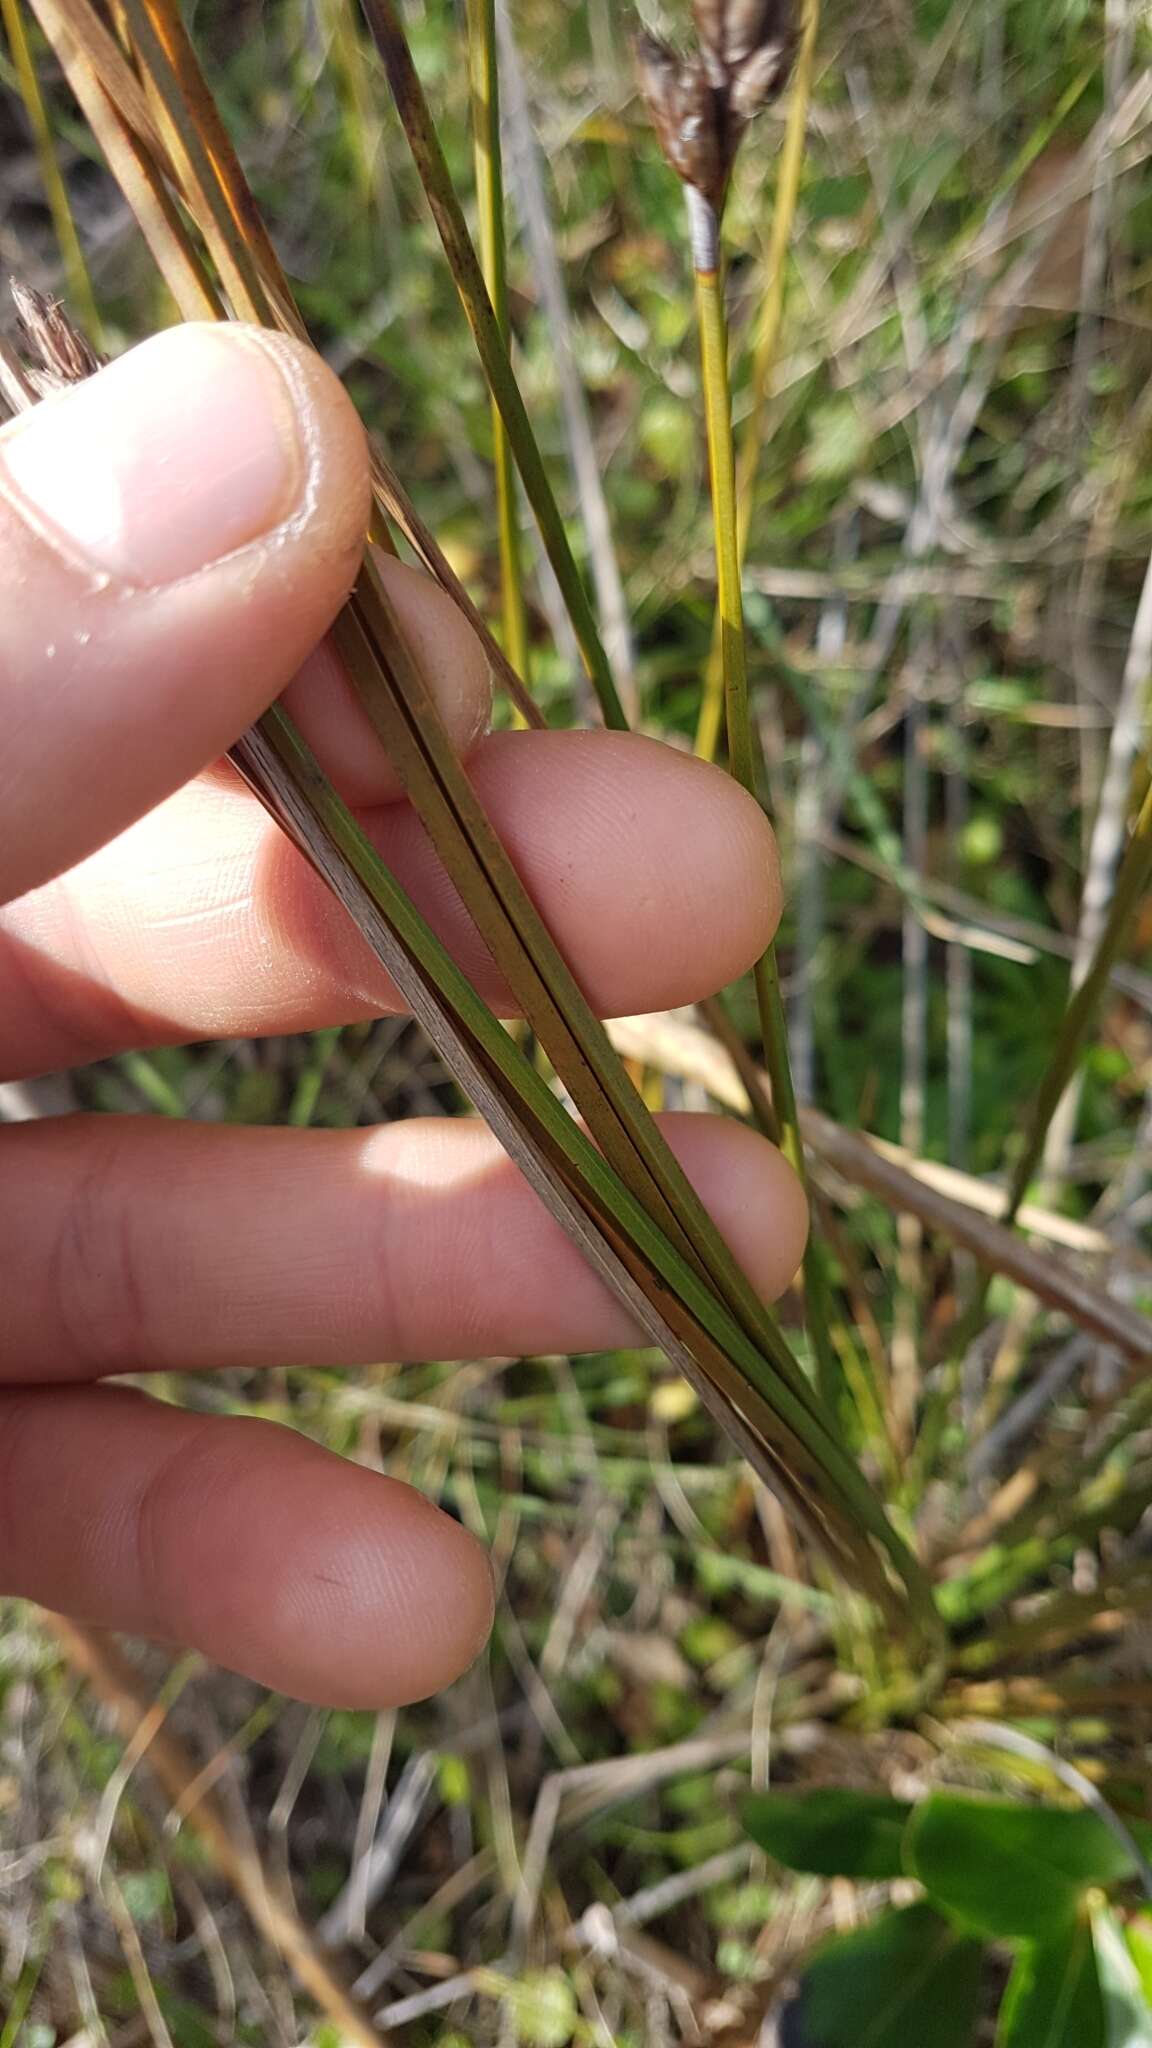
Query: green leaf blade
[909, 1978]
[1009, 1870]
[1127, 2014]
[831, 1832]
[1053, 1998]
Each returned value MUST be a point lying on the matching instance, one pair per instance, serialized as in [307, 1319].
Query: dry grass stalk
[267, 1901]
[919, 1187]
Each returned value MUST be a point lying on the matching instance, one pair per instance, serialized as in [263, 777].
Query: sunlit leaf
[1008, 1869]
[1127, 2015]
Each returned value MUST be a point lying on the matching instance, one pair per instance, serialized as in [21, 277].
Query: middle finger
[655, 873]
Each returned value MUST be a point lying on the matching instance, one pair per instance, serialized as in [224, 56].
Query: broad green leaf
[1053, 1998]
[907, 1981]
[1127, 2015]
[832, 1832]
[1007, 1869]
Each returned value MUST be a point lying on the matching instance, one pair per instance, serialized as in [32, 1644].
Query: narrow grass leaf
[412, 107]
[485, 83]
[59, 205]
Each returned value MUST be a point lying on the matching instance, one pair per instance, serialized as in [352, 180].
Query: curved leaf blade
[1127, 2014]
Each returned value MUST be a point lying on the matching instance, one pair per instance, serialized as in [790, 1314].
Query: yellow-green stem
[363, 130]
[722, 470]
[764, 357]
[490, 211]
[704, 228]
[730, 610]
[83, 303]
[387, 30]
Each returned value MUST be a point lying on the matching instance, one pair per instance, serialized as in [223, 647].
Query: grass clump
[927, 593]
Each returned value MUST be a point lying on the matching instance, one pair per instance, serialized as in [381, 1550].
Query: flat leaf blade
[834, 1831]
[1006, 1869]
[907, 1978]
[1053, 1998]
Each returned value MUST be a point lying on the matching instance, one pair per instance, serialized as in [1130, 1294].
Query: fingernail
[179, 453]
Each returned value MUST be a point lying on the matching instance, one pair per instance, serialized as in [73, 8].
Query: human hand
[175, 538]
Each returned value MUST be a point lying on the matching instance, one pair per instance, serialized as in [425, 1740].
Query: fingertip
[338, 499]
[660, 873]
[748, 1186]
[449, 656]
[357, 1590]
[445, 648]
[176, 534]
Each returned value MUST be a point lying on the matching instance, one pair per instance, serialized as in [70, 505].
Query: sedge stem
[767, 340]
[55, 191]
[704, 230]
[489, 171]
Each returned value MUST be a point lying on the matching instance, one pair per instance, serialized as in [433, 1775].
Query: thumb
[176, 534]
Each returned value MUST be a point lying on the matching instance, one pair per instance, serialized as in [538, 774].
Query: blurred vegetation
[951, 528]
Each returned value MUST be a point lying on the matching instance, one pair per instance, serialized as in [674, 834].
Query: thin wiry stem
[767, 339]
[1133, 880]
[416, 120]
[490, 208]
[704, 230]
[1107, 839]
[913, 1049]
[1132, 884]
[527, 188]
[55, 191]
[362, 126]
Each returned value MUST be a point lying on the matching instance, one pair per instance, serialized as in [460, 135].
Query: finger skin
[321, 703]
[112, 695]
[656, 874]
[134, 1244]
[240, 1539]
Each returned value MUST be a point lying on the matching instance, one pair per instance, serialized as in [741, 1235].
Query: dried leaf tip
[702, 102]
[50, 353]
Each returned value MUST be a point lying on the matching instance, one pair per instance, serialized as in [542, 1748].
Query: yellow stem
[730, 611]
[705, 237]
[490, 211]
[764, 357]
[55, 191]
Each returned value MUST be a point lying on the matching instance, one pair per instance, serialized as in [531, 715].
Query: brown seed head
[702, 102]
[51, 352]
[57, 352]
